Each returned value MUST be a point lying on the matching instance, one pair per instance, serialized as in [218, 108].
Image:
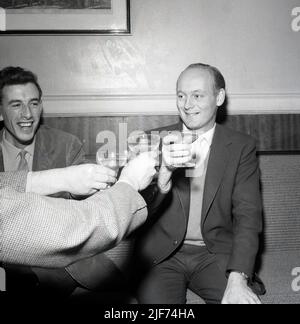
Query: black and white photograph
[149, 156]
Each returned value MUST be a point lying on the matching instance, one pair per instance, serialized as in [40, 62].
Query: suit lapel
[1, 161]
[43, 152]
[217, 164]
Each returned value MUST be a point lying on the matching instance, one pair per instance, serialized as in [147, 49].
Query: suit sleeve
[247, 213]
[154, 198]
[48, 232]
[75, 156]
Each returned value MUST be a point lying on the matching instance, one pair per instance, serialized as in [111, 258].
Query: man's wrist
[238, 275]
[165, 187]
[164, 181]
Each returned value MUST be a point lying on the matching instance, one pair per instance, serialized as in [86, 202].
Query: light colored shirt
[11, 155]
[201, 148]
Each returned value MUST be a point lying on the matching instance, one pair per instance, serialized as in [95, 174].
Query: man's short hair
[15, 76]
[219, 80]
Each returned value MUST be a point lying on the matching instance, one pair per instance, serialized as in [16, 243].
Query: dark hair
[219, 80]
[15, 76]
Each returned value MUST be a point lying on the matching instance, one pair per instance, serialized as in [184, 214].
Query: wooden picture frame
[102, 17]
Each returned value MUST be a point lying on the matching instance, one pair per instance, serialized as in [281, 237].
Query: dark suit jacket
[232, 208]
[53, 149]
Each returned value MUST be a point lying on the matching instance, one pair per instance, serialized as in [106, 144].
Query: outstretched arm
[85, 180]
[49, 232]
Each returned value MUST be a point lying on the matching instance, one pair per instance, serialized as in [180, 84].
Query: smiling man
[21, 109]
[21, 129]
[205, 235]
[25, 144]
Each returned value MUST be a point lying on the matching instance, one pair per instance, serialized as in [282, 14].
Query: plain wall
[251, 41]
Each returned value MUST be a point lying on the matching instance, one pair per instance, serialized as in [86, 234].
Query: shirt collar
[208, 136]
[12, 150]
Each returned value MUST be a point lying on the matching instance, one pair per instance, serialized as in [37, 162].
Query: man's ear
[221, 97]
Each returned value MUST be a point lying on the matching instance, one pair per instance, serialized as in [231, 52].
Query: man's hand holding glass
[176, 153]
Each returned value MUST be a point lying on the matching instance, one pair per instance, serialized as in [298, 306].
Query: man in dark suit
[205, 232]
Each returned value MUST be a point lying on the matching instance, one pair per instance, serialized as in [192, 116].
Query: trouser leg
[209, 279]
[166, 283]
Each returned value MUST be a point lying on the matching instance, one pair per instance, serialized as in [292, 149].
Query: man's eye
[16, 106]
[198, 96]
[180, 97]
[34, 105]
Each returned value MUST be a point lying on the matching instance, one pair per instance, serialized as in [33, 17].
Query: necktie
[23, 165]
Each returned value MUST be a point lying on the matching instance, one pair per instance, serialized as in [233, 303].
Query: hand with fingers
[238, 292]
[139, 172]
[87, 179]
[175, 153]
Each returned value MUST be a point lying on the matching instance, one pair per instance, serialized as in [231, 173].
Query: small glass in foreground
[111, 159]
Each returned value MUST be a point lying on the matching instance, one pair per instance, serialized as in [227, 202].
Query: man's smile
[193, 113]
[26, 126]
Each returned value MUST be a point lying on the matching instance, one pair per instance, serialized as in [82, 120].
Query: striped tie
[23, 165]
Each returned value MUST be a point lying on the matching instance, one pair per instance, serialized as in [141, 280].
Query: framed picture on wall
[107, 17]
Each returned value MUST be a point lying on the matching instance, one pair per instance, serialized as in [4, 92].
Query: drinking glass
[111, 159]
[185, 137]
[140, 143]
